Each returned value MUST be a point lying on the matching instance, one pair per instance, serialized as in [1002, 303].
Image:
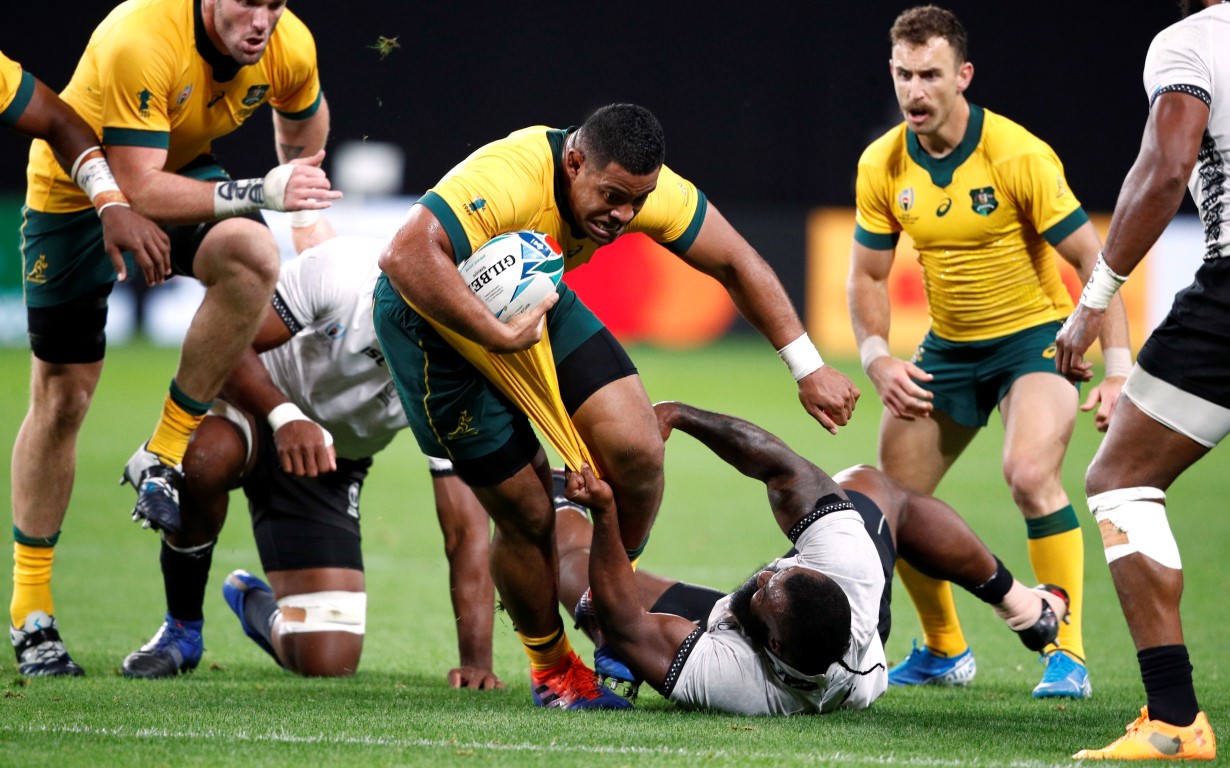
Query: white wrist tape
[1102, 285]
[303, 219]
[242, 196]
[872, 349]
[285, 413]
[1118, 361]
[801, 357]
[93, 174]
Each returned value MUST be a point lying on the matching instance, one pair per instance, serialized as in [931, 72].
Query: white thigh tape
[1134, 520]
[333, 611]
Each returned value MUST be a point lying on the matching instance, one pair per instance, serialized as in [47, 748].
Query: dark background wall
[766, 105]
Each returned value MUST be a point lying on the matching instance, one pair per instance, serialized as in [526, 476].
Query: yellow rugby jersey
[16, 90]
[984, 220]
[518, 183]
[150, 77]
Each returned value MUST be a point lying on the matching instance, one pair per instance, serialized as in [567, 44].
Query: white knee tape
[324, 612]
[1134, 520]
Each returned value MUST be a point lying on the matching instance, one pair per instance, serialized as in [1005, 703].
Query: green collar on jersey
[223, 67]
[942, 168]
[557, 139]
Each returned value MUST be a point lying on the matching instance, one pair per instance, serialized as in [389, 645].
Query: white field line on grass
[842, 758]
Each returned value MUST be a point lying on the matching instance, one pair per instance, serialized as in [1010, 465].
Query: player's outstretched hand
[474, 678]
[305, 448]
[896, 382]
[829, 396]
[125, 230]
[1074, 339]
[308, 188]
[587, 489]
[1104, 397]
[525, 330]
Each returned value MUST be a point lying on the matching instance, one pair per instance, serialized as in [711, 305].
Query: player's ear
[965, 73]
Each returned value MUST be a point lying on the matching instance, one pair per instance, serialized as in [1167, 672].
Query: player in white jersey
[805, 633]
[1176, 402]
[297, 431]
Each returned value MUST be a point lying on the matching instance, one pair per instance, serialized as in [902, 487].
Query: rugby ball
[514, 271]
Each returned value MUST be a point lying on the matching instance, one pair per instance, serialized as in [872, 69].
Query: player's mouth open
[607, 231]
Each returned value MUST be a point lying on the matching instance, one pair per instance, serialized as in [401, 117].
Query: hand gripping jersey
[16, 88]
[1193, 57]
[333, 368]
[983, 219]
[150, 77]
[725, 672]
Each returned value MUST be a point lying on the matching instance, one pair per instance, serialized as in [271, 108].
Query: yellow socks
[31, 577]
[936, 611]
[546, 652]
[1057, 554]
[180, 417]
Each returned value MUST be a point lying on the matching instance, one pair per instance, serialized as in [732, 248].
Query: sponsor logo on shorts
[1049, 352]
[38, 273]
[352, 500]
[464, 428]
[983, 201]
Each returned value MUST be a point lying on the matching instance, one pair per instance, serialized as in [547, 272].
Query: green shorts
[972, 377]
[472, 419]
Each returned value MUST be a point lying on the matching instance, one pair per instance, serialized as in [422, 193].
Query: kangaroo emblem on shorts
[464, 427]
[37, 273]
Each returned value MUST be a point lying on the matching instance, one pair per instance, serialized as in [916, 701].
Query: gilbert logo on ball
[514, 271]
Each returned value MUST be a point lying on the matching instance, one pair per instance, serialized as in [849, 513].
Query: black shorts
[1191, 347]
[304, 522]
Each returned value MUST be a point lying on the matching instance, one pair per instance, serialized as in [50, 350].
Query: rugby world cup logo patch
[906, 199]
[539, 256]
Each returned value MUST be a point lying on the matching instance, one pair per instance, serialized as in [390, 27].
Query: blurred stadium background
[765, 108]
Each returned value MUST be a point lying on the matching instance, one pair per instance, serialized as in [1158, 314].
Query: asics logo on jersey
[944, 206]
[214, 99]
[573, 251]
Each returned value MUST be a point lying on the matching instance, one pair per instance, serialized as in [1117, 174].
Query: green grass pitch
[714, 528]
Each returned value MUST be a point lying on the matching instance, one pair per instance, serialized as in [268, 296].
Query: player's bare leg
[1039, 414]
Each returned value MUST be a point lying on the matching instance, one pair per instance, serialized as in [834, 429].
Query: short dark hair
[626, 134]
[816, 627]
[919, 24]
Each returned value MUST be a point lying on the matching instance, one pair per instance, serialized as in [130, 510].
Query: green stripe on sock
[35, 541]
[187, 403]
[635, 553]
[1060, 521]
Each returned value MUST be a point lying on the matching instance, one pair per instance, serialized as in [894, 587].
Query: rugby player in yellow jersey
[585, 187]
[31, 108]
[159, 81]
[986, 204]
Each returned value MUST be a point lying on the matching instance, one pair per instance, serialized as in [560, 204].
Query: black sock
[259, 608]
[184, 576]
[1167, 674]
[688, 600]
[995, 589]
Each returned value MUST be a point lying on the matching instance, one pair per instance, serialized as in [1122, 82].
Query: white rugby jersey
[725, 672]
[1193, 57]
[332, 367]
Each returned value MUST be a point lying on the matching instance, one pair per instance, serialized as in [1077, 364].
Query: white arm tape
[801, 357]
[93, 174]
[1103, 284]
[285, 413]
[1118, 361]
[303, 219]
[243, 196]
[872, 349]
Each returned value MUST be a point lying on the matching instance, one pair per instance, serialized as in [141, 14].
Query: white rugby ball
[514, 271]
